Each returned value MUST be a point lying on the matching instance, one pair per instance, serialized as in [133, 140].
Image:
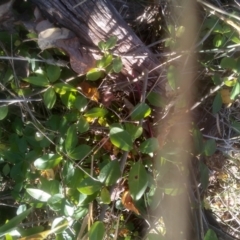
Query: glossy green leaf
[111, 42]
[110, 173]
[3, 112]
[38, 194]
[149, 146]
[204, 175]
[105, 61]
[140, 111]
[235, 91]
[121, 138]
[14, 222]
[39, 80]
[97, 231]
[96, 112]
[71, 138]
[210, 147]
[155, 99]
[62, 88]
[80, 103]
[55, 202]
[94, 74]
[80, 152]
[117, 65]
[105, 196]
[49, 98]
[210, 235]
[138, 180]
[102, 45]
[82, 125]
[47, 161]
[53, 73]
[172, 77]
[228, 63]
[89, 186]
[217, 103]
[68, 99]
[219, 40]
[134, 130]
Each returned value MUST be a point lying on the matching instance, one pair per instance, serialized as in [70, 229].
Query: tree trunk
[93, 21]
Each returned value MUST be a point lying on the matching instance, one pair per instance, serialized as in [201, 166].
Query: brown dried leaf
[127, 202]
[89, 91]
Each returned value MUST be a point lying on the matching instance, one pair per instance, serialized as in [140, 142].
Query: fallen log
[93, 21]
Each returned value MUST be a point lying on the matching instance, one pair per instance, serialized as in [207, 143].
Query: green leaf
[38, 194]
[138, 180]
[80, 103]
[94, 74]
[53, 73]
[49, 98]
[210, 235]
[216, 79]
[172, 77]
[140, 111]
[89, 186]
[68, 99]
[155, 99]
[105, 61]
[3, 112]
[80, 152]
[111, 42]
[121, 138]
[235, 91]
[14, 222]
[198, 140]
[71, 138]
[217, 103]
[96, 112]
[210, 147]
[82, 125]
[204, 175]
[39, 80]
[219, 40]
[110, 173]
[62, 88]
[47, 161]
[105, 196]
[55, 202]
[228, 63]
[133, 130]
[102, 45]
[96, 231]
[149, 146]
[117, 65]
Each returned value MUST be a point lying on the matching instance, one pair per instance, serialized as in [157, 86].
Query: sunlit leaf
[80, 152]
[38, 194]
[138, 180]
[3, 112]
[96, 112]
[49, 98]
[121, 138]
[96, 231]
[105, 196]
[62, 88]
[134, 130]
[14, 222]
[89, 186]
[111, 42]
[235, 91]
[105, 61]
[82, 125]
[80, 103]
[94, 74]
[47, 161]
[140, 111]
